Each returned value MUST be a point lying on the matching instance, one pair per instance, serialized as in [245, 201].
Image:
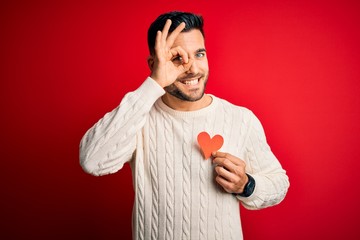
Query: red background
[65, 64]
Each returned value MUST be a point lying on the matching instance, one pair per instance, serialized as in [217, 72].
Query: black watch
[249, 187]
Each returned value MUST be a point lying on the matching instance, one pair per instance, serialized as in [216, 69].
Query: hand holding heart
[230, 169]
[231, 172]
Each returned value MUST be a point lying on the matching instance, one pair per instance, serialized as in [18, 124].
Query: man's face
[190, 86]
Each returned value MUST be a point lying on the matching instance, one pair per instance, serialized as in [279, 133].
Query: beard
[193, 95]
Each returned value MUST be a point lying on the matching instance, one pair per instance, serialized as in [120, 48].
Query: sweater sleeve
[111, 142]
[271, 180]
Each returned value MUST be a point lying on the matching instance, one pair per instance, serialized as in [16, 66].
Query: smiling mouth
[191, 82]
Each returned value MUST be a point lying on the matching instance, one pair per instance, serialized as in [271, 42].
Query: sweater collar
[160, 105]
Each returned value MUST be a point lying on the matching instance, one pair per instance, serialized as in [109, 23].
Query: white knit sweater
[176, 196]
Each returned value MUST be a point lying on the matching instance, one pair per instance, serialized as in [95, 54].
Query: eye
[177, 59]
[200, 54]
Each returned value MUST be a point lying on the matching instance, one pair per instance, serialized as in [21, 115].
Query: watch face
[249, 187]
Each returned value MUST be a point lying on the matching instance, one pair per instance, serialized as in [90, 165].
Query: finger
[165, 30]
[225, 162]
[158, 41]
[238, 170]
[223, 159]
[226, 174]
[179, 51]
[225, 184]
[221, 154]
[185, 66]
[170, 40]
[233, 159]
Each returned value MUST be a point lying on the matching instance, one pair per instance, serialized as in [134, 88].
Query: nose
[194, 68]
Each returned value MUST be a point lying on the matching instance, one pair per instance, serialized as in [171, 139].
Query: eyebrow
[201, 50]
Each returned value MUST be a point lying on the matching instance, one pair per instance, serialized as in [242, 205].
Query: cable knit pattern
[204, 180]
[169, 178]
[218, 218]
[219, 200]
[182, 202]
[140, 198]
[154, 180]
[186, 160]
[227, 128]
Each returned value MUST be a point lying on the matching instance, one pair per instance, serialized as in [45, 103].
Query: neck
[181, 105]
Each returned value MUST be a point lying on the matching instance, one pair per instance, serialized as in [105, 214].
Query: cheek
[204, 66]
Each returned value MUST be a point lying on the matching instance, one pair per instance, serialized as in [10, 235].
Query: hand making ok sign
[163, 69]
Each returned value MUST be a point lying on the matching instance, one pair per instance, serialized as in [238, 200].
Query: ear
[150, 61]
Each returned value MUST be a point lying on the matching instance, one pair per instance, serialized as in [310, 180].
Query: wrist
[156, 79]
[248, 188]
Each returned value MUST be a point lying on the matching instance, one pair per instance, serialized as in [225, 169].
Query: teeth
[192, 82]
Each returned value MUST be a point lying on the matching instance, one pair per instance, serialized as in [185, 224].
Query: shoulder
[235, 109]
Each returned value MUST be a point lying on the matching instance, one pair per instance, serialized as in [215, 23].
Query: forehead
[190, 41]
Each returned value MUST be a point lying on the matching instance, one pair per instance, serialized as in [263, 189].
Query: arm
[268, 180]
[112, 140]
[271, 180]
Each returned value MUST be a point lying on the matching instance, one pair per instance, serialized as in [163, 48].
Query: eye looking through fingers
[179, 55]
[177, 60]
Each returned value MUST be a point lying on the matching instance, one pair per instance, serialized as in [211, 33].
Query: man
[178, 193]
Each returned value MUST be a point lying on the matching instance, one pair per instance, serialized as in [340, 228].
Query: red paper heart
[209, 145]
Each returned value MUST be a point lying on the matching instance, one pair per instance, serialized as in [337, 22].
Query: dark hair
[191, 20]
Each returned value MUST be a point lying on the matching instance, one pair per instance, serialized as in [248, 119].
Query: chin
[193, 96]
